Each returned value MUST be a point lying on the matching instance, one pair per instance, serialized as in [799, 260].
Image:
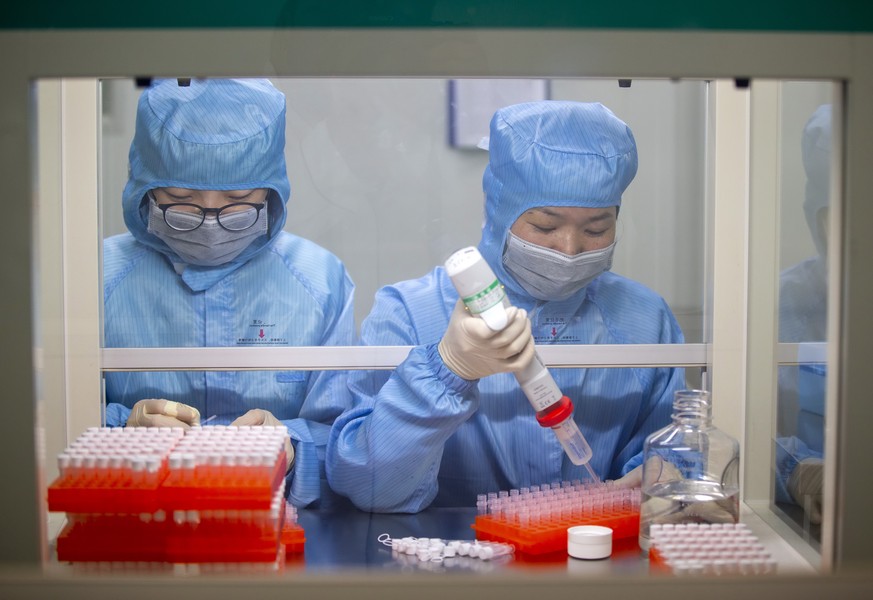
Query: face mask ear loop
[145, 207]
[266, 210]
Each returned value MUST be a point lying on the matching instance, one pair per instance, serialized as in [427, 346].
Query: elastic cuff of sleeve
[450, 379]
[117, 415]
[787, 455]
[632, 464]
[293, 460]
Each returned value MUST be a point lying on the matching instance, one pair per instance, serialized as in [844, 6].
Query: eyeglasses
[183, 216]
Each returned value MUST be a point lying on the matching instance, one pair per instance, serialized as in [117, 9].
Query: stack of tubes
[708, 549]
[162, 499]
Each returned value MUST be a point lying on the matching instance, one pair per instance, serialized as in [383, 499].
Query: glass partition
[376, 179]
[805, 177]
[53, 330]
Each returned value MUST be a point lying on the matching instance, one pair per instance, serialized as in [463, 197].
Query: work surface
[343, 557]
[350, 539]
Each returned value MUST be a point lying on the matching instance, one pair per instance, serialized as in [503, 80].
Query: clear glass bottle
[690, 469]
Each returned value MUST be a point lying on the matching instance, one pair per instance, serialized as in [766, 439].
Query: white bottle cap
[477, 286]
[462, 260]
[590, 542]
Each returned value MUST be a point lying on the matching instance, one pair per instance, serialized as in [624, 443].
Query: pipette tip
[591, 473]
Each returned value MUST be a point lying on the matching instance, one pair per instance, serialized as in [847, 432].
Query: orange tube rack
[159, 495]
[535, 520]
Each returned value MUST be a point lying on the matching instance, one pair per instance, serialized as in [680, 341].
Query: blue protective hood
[215, 134]
[816, 152]
[551, 153]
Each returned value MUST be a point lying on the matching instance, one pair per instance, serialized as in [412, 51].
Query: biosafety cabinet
[755, 154]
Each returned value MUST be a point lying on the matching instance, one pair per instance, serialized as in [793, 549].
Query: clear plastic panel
[379, 177]
[805, 178]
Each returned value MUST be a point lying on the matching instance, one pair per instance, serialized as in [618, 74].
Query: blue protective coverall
[282, 290]
[422, 436]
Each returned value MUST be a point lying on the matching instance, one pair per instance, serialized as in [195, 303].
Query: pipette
[483, 295]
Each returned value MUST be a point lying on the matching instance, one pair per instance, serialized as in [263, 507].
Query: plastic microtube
[711, 549]
[435, 549]
[107, 458]
[483, 295]
[531, 504]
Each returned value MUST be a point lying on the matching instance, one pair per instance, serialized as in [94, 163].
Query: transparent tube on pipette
[575, 445]
[555, 410]
[484, 296]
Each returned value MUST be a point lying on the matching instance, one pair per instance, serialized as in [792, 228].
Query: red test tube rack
[535, 519]
[205, 496]
[113, 467]
[203, 475]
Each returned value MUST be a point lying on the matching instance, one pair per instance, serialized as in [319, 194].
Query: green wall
[736, 15]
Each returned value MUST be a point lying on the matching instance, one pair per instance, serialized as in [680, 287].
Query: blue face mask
[551, 275]
[210, 244]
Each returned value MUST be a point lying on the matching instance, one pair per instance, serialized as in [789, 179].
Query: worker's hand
[805, 486]
[472, 350]
[156, 412]
[658, 470]
[258, 417]
[633, 479]
[663, 510]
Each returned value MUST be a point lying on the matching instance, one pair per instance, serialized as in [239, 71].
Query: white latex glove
[805, 486]
[659, 471]
[156, 412]
[633, 479]
[662, 510]
[472, 350]
[258, 417]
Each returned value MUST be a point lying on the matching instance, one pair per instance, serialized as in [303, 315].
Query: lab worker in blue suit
[206, 263]
[803, 318]
[451, 422]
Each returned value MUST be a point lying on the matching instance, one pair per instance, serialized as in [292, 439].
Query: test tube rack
[535, 519]
[213, 495]
[708, 549]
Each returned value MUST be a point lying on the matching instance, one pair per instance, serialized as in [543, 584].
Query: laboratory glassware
[690, 469]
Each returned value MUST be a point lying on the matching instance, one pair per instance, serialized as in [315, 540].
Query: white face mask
[210, 244]
[551, 275]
